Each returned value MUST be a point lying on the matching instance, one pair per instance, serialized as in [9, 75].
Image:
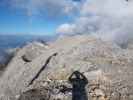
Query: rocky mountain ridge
[107, 67]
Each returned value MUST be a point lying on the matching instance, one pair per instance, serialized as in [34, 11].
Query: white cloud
[66, 29]
[109, 19]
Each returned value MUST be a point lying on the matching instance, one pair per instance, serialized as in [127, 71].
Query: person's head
[77, 74]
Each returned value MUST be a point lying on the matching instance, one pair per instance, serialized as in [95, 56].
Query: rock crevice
[43, 67]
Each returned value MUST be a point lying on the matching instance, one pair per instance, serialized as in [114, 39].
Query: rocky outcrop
[33, 50]
[107, 67]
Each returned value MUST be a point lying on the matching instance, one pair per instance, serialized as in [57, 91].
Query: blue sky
[15, 19]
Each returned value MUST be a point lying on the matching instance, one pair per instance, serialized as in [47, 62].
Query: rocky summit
[79, 67]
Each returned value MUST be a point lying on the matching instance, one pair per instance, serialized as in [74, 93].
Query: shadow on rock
[78, 81]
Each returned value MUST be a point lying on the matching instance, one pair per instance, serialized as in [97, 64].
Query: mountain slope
[102, 63]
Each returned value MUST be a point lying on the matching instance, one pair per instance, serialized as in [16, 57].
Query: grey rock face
[33, 50]
[51, 91]
[107, 68]
[35, 94]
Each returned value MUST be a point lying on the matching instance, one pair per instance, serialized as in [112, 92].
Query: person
[78, 81]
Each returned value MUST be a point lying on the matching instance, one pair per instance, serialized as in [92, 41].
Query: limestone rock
[35, 94]
[33, 50]
[106, 66]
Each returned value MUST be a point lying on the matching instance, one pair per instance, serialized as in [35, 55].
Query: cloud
[108, 19]
[46, 7]
[66, 29]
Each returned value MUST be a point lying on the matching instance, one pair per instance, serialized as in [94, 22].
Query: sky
[35, 16]
[107, 19]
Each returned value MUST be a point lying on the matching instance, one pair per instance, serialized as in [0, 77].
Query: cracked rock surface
[107, 67]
